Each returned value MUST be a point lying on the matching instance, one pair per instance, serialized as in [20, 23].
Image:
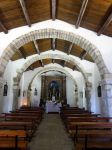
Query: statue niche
[53, 91]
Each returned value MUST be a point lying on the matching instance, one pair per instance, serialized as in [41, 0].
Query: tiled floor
[51, 135]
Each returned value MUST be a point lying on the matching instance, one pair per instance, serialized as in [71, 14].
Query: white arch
[52, 55]
[52, 68]
[53, 33]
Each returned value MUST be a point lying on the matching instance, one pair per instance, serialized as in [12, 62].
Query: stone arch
[51, 67]
[71, 37]
[53, 33]
[52, 56]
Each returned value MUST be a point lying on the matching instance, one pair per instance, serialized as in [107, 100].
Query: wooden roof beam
[41, 63]
[62, 63]
[53, 9]
[22, 52]
[53, 44]
[83, 54]
[81, 13]
[3, 28]
[70, 48]
[31, 68]
[36, 47]
[23, 6]
[74, 68]
[53, 61]
[105, 25]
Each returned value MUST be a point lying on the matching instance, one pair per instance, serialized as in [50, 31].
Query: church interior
[55, 74]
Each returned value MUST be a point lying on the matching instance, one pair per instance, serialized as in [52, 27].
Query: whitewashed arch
[50, 55]
[54, 67]
[53, 33]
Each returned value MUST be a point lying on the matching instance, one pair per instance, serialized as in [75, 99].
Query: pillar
[1, 94]
[88, 95]
[106, 99]
[15, 93]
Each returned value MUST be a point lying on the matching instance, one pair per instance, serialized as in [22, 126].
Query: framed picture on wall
[99, 91]
[5, 89]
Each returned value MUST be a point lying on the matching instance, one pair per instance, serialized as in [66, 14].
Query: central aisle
[51, 135]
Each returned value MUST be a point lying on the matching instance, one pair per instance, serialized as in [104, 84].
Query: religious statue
[53, 91]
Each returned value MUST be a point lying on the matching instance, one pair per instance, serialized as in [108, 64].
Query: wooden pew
[23, 117]
[29, 127]
[68, 120]
[13, 139]
[94, 138]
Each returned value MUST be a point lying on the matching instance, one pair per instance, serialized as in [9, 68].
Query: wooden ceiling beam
[53, 44]
[70, 48]
[81, 13]
[62, 63]
[53, 61]
[74, 68]
[41, 63]
[22, 52]
[53, 9]
[3, 28]
[105, 25]
[31, 68]
[83, 54]
[23, 6]
[36, 47]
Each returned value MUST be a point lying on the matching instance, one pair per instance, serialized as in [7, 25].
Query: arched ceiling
[42, 45]
[95, 15]
[43, 62]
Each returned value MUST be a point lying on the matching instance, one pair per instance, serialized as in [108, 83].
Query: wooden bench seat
[93, 139]
[13, 139]
[22, 145]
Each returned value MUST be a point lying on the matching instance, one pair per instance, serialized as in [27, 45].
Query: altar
[52, 107]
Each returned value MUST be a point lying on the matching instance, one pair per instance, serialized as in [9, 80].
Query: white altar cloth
[52, 107]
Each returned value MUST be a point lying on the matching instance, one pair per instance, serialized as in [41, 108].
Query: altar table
[52, 107]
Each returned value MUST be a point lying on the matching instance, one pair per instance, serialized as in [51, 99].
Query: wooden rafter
[23, 6]
[83, 54]
[53, 9]
[53, 44]
[22, 52]
[36, 47]
[31, 68]
[62, 63]
[70, 48]
[105, 25]
[74, 68]
[3, 28]
[41, 63]
[53, 61]
[82, 11]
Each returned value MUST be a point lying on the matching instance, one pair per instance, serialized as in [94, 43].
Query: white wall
[70, 92]
[36, 84]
